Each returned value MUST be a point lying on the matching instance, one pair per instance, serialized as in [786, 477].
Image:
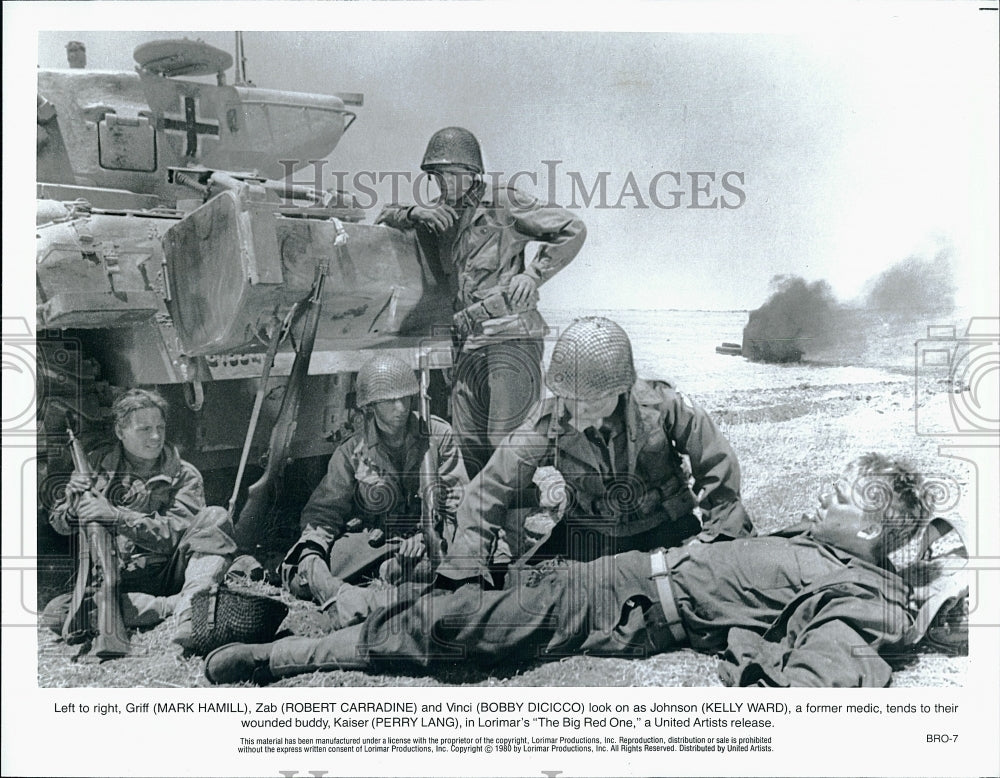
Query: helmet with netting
[591, 359]
[453, 146]
[384, 377]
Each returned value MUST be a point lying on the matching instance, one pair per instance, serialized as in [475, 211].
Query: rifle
[280, 328]
[261, 495]
[97, 549]
[429, 475]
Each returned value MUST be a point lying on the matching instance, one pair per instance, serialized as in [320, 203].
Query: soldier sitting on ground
[169, 544]
[364, 516]
[817, 604]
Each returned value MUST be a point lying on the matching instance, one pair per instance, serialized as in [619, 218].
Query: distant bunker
[771, 335]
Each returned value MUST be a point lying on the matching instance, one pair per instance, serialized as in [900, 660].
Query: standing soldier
[76, 54]
[609, 464]
[479, 238]
[365, 511]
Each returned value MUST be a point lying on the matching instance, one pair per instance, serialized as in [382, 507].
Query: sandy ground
[792, 434]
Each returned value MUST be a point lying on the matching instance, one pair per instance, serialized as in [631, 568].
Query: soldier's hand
[78, 484]
[95, 507]
[439, 218]
[552, 491]
[522, 290]
[412, 547]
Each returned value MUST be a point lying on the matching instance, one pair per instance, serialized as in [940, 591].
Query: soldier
[608, 464]
[170, 545]
[479, 240]
[76, 54]
[365, 511]
[812, 605]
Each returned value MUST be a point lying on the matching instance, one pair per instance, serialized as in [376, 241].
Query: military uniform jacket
[788, 610]
[661, 425]
[158, 509]
[361, 480]
[484, 249]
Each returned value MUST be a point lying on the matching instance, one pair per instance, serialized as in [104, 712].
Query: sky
[848, 146]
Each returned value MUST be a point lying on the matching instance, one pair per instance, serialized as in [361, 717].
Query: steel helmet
[591, 359]
[384, 377]
[453, 146]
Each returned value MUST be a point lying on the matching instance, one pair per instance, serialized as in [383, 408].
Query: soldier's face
[391, 415]
[590, 413]
[77, 58]
[453, 183]
[843, 519]
[143, 434]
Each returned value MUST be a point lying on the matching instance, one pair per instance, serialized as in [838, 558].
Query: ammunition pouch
[469, 320]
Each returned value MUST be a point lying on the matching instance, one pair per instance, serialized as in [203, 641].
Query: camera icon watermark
[965, 367]
[44, 376]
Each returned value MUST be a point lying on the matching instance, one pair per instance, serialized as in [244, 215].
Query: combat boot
[201, 573]
[236, 662]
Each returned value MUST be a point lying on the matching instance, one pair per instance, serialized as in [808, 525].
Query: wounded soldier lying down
[816, 604]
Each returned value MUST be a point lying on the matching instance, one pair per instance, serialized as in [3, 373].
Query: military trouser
[139, 610]
[151, 583]
[610, 607]
[210, 534]
[494, 388]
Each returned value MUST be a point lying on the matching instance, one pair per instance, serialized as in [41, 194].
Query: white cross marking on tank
[190, 125]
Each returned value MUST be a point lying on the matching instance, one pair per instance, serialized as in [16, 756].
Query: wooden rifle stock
[97, 548]
[429, 473]
[261, 495]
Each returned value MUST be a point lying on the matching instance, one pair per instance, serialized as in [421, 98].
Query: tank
[170, 248]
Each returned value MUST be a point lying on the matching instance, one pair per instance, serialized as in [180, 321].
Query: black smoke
[803, 317]
[798, 316]
[917, 285]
